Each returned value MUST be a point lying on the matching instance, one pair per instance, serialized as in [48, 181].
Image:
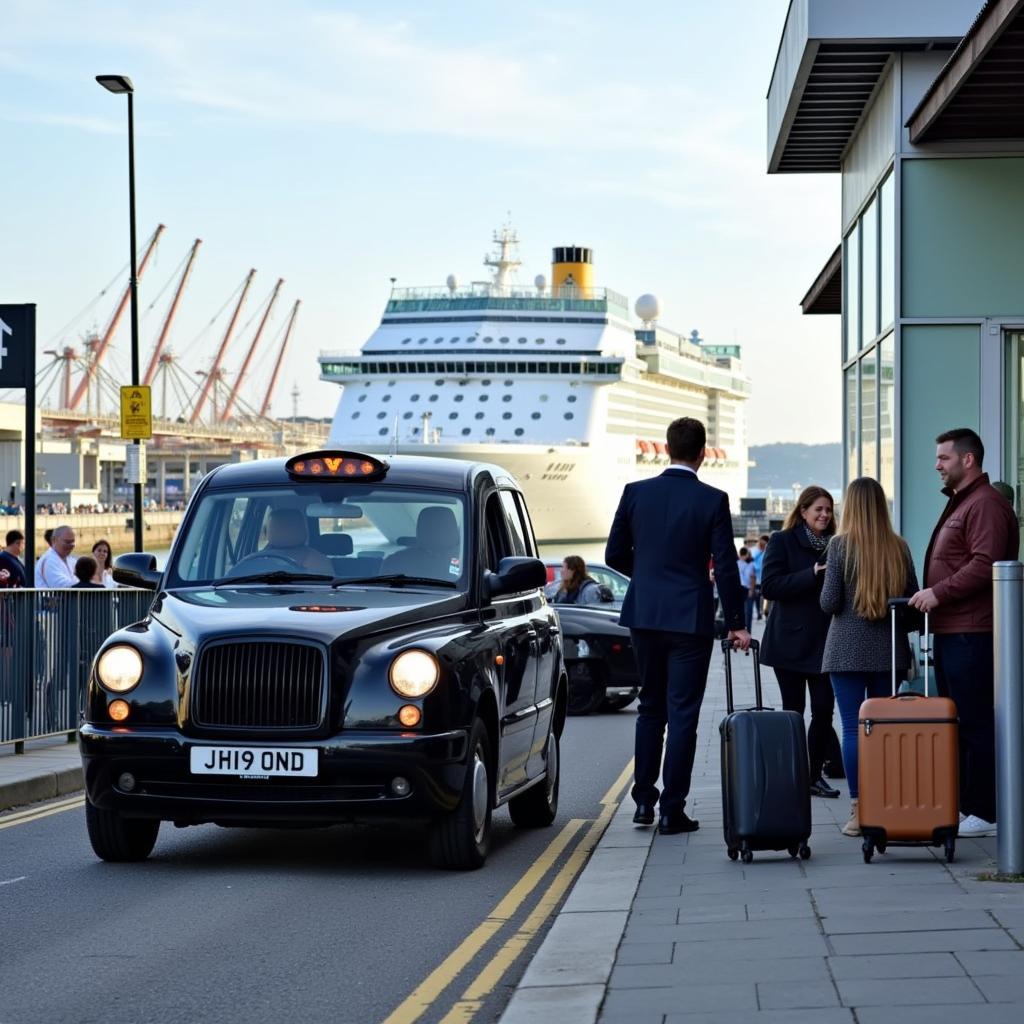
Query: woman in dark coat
[792, 573]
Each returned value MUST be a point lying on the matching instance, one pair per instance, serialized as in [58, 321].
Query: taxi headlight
[414, 674]
[119, 668]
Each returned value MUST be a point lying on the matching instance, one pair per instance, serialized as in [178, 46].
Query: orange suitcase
[908, 766]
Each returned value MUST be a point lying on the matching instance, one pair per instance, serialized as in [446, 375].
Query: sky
[340, 144]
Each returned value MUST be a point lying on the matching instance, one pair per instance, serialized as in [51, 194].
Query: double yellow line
[35, 813]
[431, 988]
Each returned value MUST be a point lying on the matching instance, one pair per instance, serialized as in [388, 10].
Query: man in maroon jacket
[977, 527]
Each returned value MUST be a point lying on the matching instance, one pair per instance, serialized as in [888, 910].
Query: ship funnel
[572, 267]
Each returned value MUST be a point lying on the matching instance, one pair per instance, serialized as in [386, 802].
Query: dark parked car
[599, 659]
[333, 638]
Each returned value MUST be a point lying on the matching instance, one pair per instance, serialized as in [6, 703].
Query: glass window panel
[869, 415]
[887, 417]
[850, 387]
[869, 274]
[851, 300]
[887, 252]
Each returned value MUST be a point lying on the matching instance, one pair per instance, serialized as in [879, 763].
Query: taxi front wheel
[116, 838]
[459, 841]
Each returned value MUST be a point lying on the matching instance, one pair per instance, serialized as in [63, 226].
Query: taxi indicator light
[409, 715]
[338, 465]
[118, 710]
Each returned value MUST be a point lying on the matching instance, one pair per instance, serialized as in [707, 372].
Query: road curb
[44, 786]
[567, 978]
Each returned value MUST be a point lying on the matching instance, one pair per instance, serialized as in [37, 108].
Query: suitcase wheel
[805, 852]
[793, 851]
[950, 850]
[868, 848]
[733, 852]
[747, 856]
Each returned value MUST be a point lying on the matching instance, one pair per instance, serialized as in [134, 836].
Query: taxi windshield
[319, 533]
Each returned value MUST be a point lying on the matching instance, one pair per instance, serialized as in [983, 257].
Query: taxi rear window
[368, 530]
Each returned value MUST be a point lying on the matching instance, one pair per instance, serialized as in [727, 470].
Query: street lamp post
[123, 84]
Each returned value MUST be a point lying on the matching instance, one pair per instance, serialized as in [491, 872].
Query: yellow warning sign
[136, 412]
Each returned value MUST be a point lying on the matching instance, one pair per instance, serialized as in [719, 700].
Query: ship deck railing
[486, 297]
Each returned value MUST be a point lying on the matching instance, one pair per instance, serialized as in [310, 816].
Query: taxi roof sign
[335, 465]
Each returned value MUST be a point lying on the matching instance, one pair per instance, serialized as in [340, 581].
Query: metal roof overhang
[826, 294]
[831, 57]
[979, 94]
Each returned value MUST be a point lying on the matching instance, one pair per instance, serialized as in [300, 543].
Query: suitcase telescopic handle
[895, 603]
[755, 649]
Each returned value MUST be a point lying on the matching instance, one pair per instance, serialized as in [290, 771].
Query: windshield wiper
[397, 579]
[277, 576]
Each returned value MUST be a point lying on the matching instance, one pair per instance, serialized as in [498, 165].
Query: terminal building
[919, 107]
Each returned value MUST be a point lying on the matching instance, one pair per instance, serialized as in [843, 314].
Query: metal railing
[48, 639]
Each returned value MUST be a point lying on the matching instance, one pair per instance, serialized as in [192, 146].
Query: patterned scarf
[818, 543]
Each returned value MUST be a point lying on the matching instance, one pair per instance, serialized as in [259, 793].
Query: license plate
[253, 762]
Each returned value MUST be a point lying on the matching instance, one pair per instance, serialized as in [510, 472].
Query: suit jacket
[794, 635]
[665, 532]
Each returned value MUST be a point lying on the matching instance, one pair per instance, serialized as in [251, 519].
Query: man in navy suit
[665, 533]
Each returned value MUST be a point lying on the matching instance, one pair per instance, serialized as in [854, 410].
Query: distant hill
[779, 466]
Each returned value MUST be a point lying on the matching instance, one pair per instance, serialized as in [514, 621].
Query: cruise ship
[555, 383]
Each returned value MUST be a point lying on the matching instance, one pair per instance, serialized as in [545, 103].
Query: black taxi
[334, 637]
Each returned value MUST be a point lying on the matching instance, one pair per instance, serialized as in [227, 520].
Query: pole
[30, 452]
[1008, 605]
[137, 512]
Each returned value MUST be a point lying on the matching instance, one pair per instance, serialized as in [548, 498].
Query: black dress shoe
[819, 787]
[644, 814]
[673, 824]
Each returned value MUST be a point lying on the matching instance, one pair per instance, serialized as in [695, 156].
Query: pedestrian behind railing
[48, 639]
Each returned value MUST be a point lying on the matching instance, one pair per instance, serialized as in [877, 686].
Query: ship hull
[572, 490]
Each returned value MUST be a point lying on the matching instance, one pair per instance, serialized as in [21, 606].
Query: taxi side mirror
[137, 569]
[515, 575]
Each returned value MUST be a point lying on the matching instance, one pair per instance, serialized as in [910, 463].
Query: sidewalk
[48, 768]
[667, 930]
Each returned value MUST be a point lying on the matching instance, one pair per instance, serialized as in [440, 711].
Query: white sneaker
[973, 827]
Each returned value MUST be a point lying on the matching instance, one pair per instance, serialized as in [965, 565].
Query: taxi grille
[259, 685]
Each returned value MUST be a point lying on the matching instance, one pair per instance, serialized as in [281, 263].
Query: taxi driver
[287, 536]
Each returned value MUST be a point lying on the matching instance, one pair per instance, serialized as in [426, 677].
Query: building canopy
[979, 94]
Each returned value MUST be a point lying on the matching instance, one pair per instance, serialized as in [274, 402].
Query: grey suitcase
[766, 795]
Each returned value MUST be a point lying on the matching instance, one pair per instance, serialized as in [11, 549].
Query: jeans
[851, 690]
[673, 675]
[749, 607]
[964, 672]
[794, 686]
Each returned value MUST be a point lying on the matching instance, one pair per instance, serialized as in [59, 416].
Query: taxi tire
[538, 806]
[119, 839]
[457, 843]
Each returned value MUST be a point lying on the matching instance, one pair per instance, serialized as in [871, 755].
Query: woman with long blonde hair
[868, 563]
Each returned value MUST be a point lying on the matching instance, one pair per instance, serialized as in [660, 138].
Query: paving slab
[795, 995]
[690, 998]
[694, 969]
[908, 992]
[815, 1016]
[979, 1013]
[924, 942]
[899, 965]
